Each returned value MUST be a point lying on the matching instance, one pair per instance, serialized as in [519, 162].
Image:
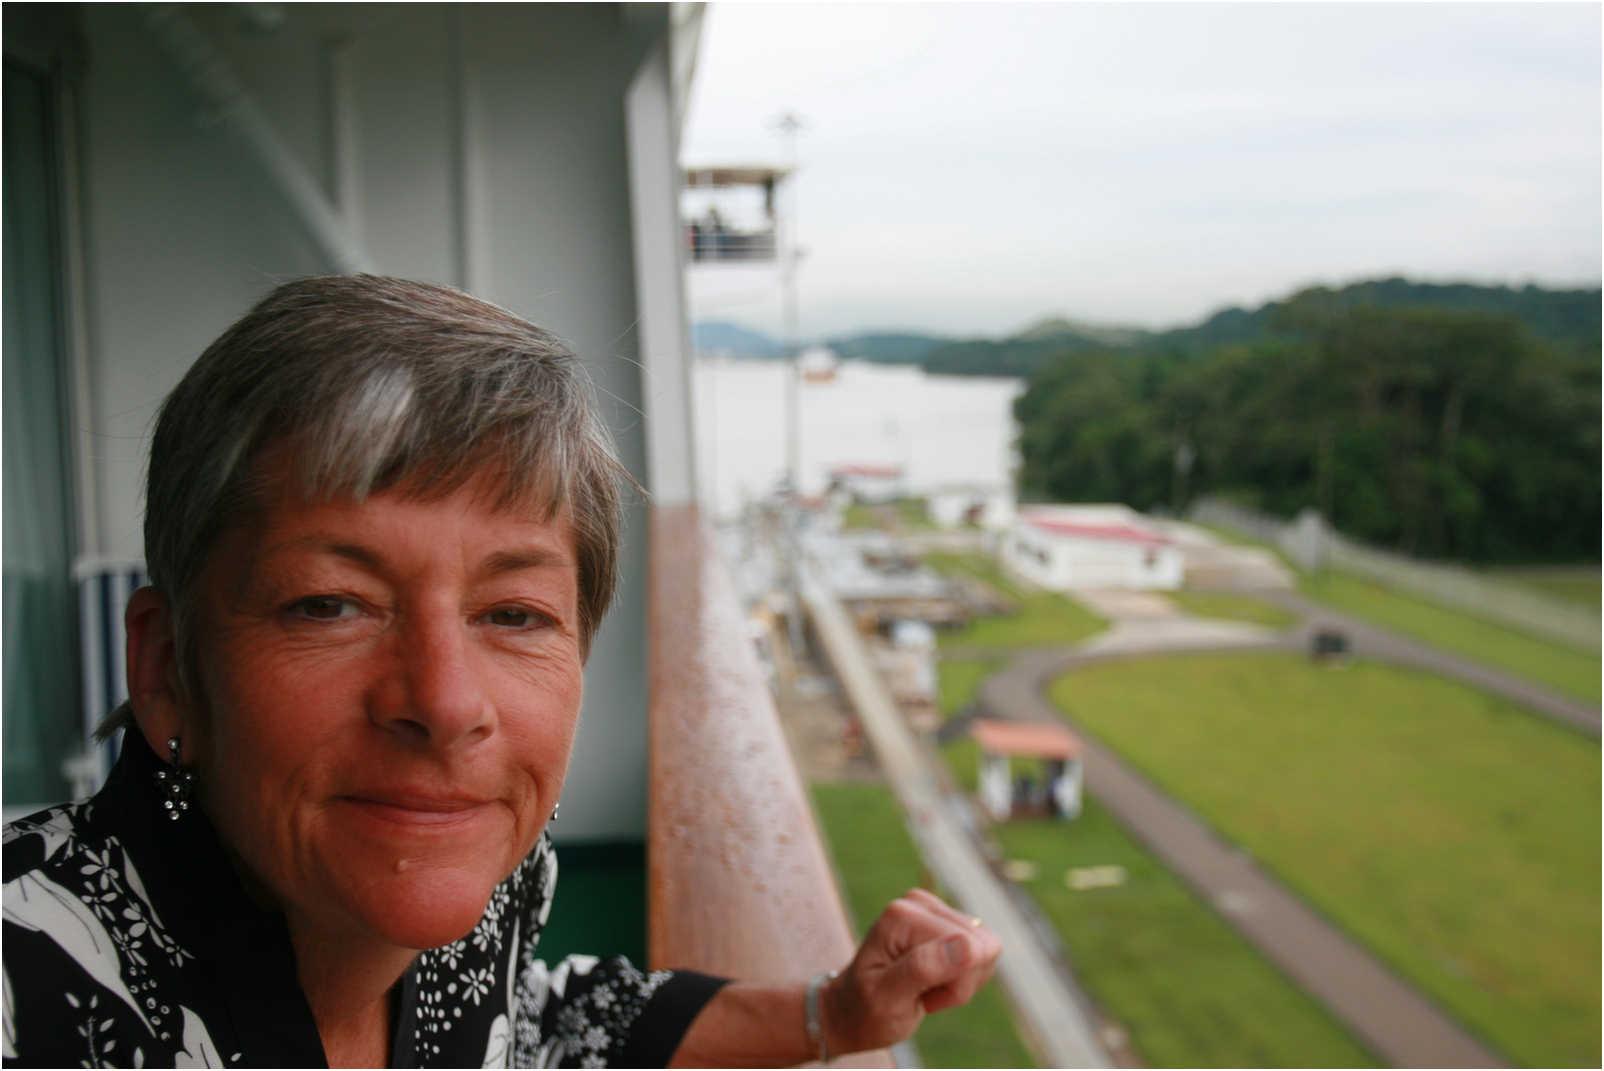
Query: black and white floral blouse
[130, 942]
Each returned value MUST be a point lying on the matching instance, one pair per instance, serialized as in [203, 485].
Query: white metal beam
[216, 83]
[654, 177]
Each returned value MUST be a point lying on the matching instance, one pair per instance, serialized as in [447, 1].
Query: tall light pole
[789, 125]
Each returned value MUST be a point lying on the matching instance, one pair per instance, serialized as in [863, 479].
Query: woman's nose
[433, 691]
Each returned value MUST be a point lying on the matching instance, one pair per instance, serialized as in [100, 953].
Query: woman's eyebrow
[512, 561]
[327, 544]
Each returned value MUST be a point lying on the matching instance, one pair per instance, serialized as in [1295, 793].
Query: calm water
[940, 429]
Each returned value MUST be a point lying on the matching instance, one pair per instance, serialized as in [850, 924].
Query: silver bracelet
[815, 1021]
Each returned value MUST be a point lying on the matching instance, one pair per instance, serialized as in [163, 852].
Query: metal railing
[711, 246]
[738, 880]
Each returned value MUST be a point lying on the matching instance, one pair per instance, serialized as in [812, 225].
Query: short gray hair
[370, 382]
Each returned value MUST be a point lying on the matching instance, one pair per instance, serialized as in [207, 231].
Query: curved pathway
[1391, 1017]
[1399, 1023]
[1372, 641]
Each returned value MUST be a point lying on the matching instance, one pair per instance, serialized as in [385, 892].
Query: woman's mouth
[417, 810]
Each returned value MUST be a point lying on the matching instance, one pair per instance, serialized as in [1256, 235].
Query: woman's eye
[324, 608]
[513, 617]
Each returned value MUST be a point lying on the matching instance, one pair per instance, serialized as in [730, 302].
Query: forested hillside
[886, 347]
[1568, 319]
[1440, 431]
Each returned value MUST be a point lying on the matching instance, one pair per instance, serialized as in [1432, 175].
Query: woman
[381, 529]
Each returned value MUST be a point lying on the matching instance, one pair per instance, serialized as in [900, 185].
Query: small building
[1058, 790]
[975, 505]
[1101, 546]
[871, 483]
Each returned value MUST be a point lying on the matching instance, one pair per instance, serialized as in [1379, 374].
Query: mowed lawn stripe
[1566, 669]
[1453, 832]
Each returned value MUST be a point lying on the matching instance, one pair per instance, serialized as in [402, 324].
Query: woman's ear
[154, 691]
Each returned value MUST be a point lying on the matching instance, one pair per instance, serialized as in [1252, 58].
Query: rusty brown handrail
[738, 881]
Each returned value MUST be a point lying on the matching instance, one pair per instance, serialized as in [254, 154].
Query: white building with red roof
[1091, 546]
[869, 482]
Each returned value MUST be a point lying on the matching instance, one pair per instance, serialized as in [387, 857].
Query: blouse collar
[200, 900]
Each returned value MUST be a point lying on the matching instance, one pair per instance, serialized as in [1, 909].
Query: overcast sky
[970, 168]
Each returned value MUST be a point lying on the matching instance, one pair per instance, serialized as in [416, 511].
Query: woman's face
[389, 691]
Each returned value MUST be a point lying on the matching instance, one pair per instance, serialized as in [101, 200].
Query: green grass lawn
[1152, 955]
[1574, 584]
[910, 513]
[1563, 668]
[858, 516]
[914, 514]
[877, 863]
[979, 566]
[1042, 619]
[1187, 989]
[1228, 606]
[958, 681]
[1455, 834]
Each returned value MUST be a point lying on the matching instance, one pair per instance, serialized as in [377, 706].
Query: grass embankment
[1227, 606]
[1565, 669]
[1543, 661]
[1454, 833]
[1186, 988]
[1573, 584]
[878, 863]
[1043, 618]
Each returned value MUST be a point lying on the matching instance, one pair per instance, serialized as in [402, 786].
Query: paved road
[1388, 1014]
[1052, 1011]
[1179, 634]
[1373, 642]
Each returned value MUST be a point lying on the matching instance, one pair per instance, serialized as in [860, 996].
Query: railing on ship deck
[738, 882]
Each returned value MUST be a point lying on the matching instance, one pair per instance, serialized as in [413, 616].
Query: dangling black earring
[555, 808]
[175, 784]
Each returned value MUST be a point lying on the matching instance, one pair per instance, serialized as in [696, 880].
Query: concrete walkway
[1387, 1013]
[1052, 1012]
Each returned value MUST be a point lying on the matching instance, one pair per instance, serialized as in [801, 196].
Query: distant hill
[1023, 353]
[732, 340]
[1567, 319]
[886, 347]
[1107, 334]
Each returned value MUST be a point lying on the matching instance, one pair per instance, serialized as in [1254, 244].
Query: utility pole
[789, 125]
